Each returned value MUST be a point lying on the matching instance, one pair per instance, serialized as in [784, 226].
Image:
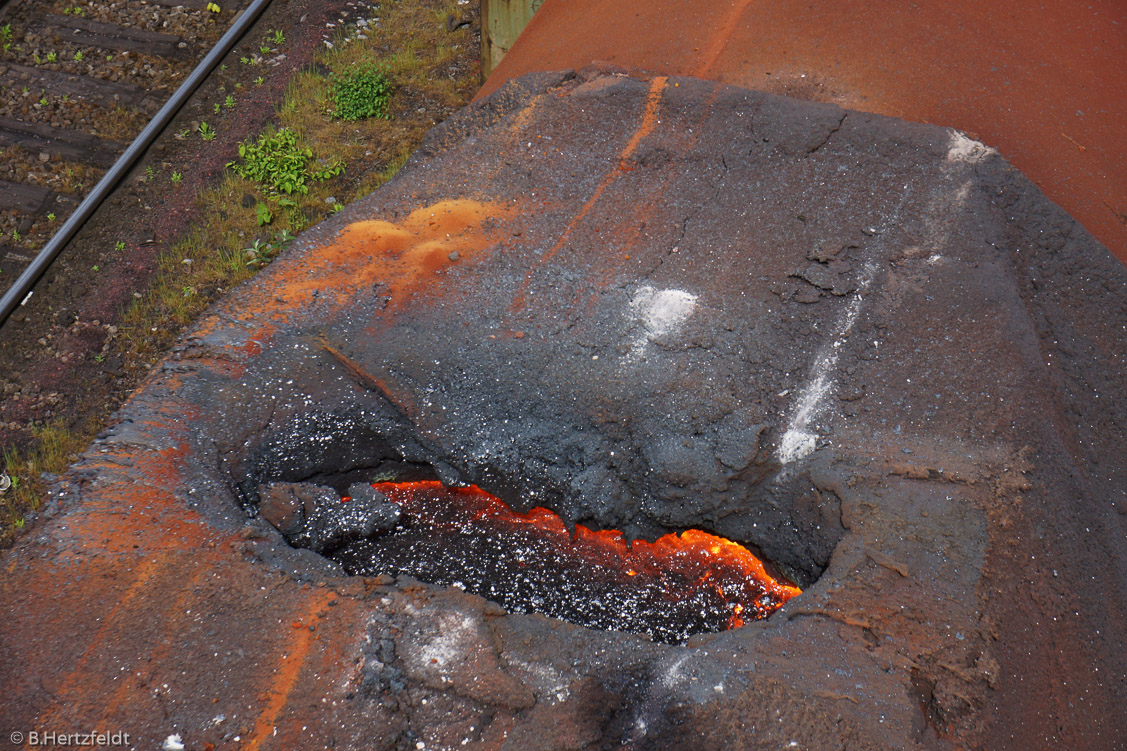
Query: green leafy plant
[260, 254]
[16, 237]
[244, 60]
[109, 58]
[229, 102]
[213, 8]
[149, 172]
[43, 101]
[51, 217]
[215, 108]
[78, 56]
[280, 163]
[365, 91]
[207, 133]
[264, 49]
[279, 38]
[119, 245]
[52, 57]
[259, 81]
[176, 178]
[263, 213]
[263, 252]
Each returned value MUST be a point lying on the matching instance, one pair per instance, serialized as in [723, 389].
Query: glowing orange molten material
[695, 570]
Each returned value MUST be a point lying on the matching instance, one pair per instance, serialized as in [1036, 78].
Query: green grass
[53, 448]
[431, 79]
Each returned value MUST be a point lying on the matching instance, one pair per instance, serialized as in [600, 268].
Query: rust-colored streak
[645, 127]
[158, 520]
[283, 680]
[649, 209]
[78, 681]
[717, 44]
[649, 117]
[1013, 77]
[124, 694]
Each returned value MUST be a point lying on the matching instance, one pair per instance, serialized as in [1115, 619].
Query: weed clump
[363, 92]
[279, 163]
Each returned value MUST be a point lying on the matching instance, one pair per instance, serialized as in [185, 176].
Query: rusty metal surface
[870, 348]
[1044, 85]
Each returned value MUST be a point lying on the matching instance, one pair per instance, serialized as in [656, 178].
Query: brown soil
[62, 362]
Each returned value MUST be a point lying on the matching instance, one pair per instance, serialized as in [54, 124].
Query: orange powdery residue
[403, 257]
[295, 647]
[78, 687]
[137, 508]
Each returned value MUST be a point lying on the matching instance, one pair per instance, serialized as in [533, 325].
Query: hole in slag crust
[669, 589]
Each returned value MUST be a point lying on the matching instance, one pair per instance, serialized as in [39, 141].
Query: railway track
[78, 82]
[121, 285]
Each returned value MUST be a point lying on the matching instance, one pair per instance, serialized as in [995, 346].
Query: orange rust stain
[123, 696]
[1013, 77]
[522, 118]
[649, 117]
[651, 205]
[283, 680]
[718, 43]
[645, 127]
[81, 680]
[155, 518]
[403, 256]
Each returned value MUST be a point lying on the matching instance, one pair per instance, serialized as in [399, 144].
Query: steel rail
[22, 289]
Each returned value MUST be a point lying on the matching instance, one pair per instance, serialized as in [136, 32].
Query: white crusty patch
[962, 148]
[799, 441]
[660, 312]
[548, 681]
[674, 674]
[455, 638]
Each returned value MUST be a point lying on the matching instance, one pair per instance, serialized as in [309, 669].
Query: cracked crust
[961, 573]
